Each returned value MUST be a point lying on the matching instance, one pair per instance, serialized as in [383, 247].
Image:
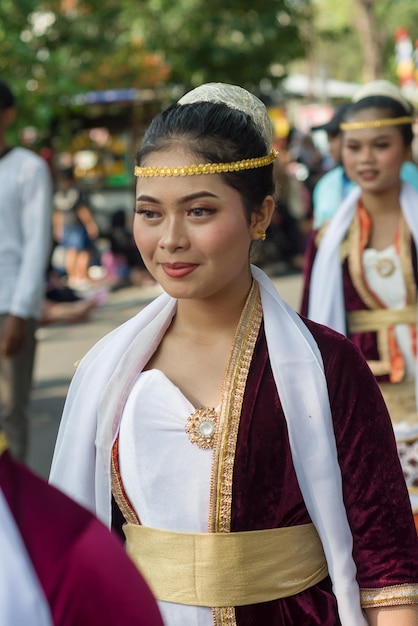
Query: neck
[211, 317]
[385, 203]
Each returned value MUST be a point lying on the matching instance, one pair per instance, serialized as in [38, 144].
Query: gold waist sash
[227, 569]
[400, 401]
[367, 321]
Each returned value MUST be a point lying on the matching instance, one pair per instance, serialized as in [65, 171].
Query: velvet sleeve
[102, 586]
[376, 498]
[83, 569]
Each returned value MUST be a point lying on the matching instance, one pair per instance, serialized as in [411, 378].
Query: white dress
[165, 476]
[392, 292]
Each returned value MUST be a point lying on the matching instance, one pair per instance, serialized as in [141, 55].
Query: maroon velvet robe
[85, 575]
[366, 341]
[266, 493]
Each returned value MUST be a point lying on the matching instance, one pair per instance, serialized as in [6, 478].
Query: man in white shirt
[25, 246]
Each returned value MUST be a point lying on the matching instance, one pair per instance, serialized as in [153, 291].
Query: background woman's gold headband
[392, 121]
[207, 168]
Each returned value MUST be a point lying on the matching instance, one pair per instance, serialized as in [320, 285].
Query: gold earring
[262, 234]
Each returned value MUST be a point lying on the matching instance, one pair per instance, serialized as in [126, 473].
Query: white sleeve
[36, 228]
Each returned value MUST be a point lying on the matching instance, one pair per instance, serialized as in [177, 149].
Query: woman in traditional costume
[361, 268]
[228, 434]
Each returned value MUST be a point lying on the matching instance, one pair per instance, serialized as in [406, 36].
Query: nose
[173, 234]
[366, 154]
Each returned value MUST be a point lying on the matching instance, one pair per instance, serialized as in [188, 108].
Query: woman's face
[192, 231]
[373, 157]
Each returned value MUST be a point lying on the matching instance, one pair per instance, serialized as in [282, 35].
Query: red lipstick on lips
[368, 174]
[178, 270]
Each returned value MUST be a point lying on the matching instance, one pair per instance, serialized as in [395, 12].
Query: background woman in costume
[212, 412]
[371, 244]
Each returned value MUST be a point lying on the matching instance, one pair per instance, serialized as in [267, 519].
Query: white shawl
[81, 463]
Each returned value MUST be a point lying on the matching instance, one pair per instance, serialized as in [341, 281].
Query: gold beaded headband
[207, 168]
[393, 121]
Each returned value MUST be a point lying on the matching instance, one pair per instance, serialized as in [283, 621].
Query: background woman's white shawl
[81, 463]
[22, 601]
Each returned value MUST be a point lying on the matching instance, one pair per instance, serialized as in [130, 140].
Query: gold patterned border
[118, 490]
[355, 265]
[4, 444]
[233, 388]
[405, 255]
[389, 596]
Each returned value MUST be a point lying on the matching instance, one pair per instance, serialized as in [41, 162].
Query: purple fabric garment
[367, 341]
[86, 576]
[266, 493]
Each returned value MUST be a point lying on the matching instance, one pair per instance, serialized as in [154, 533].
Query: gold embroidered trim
[207, 168]
[4, 444]
[355, 265]
[118, 491]
[389, 596]
[390, 121]
[355, 268]
[405, 254]
[231, 404]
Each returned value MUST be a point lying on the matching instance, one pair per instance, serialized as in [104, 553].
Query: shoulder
[27, 164]
[338, 352]
[331, 177]
[409, 174]
[28, 156]
[81, 565]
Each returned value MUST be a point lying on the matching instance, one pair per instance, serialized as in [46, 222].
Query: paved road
[61, 346]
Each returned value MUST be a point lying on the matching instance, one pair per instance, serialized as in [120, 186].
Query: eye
[147, 214]
[200, 212]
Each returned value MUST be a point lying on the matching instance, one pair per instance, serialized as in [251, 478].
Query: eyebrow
[376, 138]
[188, 198]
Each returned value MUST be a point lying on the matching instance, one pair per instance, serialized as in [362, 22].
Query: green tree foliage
[56, 48]
[239, 41]
[339, 45]
[53, 49]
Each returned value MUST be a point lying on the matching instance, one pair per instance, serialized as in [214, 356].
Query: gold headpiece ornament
[386, 89]
[4, 444]
[390, 121]
[234, 97]
[207, 168]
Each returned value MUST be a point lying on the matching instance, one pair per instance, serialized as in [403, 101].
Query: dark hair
[390, 108]
[7, 99]
[215, 133]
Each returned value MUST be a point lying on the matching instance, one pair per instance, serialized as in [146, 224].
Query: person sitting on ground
[75, 228]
